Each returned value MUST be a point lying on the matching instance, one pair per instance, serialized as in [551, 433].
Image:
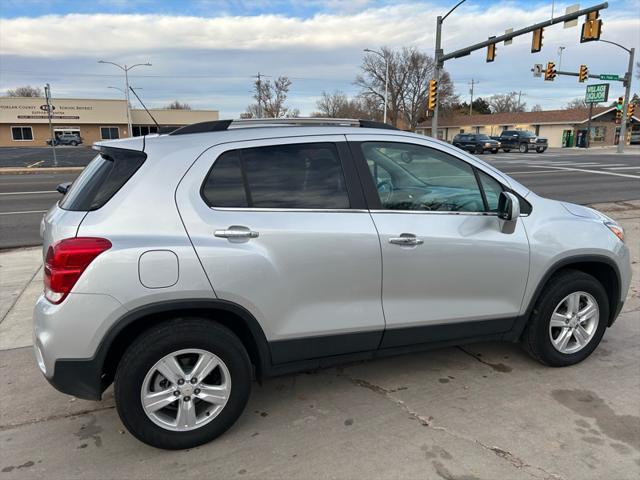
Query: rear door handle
[236, 233]
[406, 239]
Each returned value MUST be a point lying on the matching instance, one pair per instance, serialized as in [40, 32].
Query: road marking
[584, 170]
[35, 164]
[39, 192]
[623, 168]
[27, 211]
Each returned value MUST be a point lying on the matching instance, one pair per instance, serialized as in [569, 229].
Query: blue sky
[205, 52]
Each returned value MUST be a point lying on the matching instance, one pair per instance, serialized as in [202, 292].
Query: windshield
[483, 137]
[527, 134]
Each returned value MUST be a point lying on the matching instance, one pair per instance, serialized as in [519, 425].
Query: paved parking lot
[34, 157]
[478, 412]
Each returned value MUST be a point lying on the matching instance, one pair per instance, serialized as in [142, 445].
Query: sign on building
[597, 93]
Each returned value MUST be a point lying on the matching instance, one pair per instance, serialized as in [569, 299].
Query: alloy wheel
[574, 322]
[186, 389]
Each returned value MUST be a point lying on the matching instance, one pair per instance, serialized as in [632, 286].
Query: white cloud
[325, 46]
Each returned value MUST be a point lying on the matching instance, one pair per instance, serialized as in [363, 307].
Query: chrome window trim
[317, 210]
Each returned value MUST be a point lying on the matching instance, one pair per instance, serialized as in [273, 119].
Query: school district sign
[597, 93]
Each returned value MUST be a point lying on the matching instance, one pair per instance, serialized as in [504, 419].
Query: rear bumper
[80, 378]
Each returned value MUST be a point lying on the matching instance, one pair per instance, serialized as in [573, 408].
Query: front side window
[301, 176]
[21, 133]
[422, 178]
[109, 133]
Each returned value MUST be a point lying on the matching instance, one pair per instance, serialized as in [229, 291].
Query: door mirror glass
[508, 207]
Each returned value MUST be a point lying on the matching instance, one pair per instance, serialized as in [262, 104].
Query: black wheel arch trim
[87, 378]
[615, 302]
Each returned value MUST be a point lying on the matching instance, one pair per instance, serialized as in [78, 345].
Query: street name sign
[597, 93]
[609, 76]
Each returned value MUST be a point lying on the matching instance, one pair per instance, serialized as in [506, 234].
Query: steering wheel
[385, 190]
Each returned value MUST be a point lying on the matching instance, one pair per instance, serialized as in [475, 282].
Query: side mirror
[508, 207]
[63, 188]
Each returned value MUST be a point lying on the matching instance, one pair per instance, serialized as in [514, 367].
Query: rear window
[102, 178]
[304, 176]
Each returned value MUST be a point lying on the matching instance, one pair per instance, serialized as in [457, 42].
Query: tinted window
[102, 178]
[421, 178]
[224, 186]
[284, 176]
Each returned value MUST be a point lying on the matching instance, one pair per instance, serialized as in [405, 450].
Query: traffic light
[433, 95]
[491, 51]
[619, 107]
[591, 28]
[550, 72]
[583, 74]
[536, 43]
[631, 110]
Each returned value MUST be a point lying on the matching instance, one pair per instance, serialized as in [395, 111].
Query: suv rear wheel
[568, 320]
[182, 383]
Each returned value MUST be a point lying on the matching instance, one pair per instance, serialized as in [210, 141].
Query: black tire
[536, 336]
[523, 148]
[478, 150]
[540, 150]
[506, 150]
[74, 143]
[494, 151]
[168, 337]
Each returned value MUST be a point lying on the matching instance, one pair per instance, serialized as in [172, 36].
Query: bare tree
[26, 91]
[409, 74]
[176, 105]
[338, 105]
[270, 98]
[576, 104]
[536, 108]
[508, 102]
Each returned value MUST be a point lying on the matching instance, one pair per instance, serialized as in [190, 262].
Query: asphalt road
[32, 157]
[574, 176]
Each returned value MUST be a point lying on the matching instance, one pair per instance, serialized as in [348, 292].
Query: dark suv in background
[476, 143]
[521, 140]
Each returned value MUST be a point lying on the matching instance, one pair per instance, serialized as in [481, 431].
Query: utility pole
[47, 94]
[520, 94]
[126, 69]
[259, 88]
[386, 79]
[473, 82]
[560, 50]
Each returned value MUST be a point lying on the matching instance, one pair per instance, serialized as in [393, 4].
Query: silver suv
[183, 266]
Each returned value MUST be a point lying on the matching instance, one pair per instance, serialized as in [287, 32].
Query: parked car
[523, 141]
[635, 137]
[476, 143]
[186, 265]
[66, 139]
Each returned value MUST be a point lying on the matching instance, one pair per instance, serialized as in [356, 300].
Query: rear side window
[102, 178]
[307, 176]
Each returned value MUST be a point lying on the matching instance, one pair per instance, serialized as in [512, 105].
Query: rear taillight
[65, 262]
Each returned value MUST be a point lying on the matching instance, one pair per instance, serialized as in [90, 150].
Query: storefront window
[598, 134]
[109, 133]
[21, 134]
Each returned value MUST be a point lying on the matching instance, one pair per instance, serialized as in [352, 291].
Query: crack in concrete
[15, 301]
[506, 455]
[34, 421]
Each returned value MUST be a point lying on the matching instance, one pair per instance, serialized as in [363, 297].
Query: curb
[26, 170]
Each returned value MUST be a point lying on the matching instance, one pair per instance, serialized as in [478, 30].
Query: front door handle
[236, 233]
[406, 239]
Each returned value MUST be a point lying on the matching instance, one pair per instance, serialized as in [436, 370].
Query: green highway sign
[597, 93]
[609, 76]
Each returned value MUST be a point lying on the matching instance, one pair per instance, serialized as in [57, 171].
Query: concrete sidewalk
[478, 412]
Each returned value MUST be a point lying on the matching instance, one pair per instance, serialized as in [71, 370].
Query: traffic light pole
[441, 57]
[627, 92]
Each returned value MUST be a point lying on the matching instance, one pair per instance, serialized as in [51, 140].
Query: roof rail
[221, 125]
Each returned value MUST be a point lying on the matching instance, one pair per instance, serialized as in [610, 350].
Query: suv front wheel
[569, 319]
[182, 383]
[523, 148]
